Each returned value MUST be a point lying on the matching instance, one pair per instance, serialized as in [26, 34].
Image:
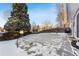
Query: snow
[8, 48]
[42, 44]
[77, 43]
[46, 44]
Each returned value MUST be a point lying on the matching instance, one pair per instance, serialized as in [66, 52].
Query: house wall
[72, 10]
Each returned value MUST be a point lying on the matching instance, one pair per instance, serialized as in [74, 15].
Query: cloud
[4, 15]
[2, 22]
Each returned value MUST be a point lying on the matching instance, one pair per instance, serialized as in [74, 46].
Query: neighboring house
[69, 12]
[73, 18]
[73, 15]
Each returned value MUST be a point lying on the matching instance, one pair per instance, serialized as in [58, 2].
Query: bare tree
[48, 24]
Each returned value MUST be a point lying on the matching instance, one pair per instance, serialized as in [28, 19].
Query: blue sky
[38, 12]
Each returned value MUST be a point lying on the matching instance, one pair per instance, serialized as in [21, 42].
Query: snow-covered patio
[42, 44]
[47, 44]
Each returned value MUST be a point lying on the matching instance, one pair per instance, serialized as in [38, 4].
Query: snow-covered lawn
[8, 48]
[46, 44]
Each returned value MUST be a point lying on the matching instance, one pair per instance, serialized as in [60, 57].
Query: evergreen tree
[19, 19]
